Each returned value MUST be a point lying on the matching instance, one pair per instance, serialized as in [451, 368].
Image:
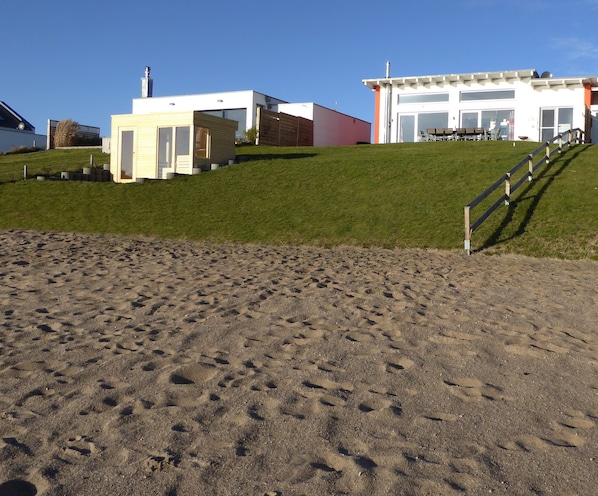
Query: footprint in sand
[79, 446]
[564, 434]
[442, 417]
[161, 461]
[396, 366]
[194, 374]
[18, 487]
[469, 389]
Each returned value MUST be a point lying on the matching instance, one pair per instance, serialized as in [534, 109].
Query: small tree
[251, 135]
[66, 132]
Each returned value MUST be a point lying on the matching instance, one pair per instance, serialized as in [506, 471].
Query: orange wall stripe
[588, 95]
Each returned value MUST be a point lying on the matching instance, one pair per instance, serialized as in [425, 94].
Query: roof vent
[546, 75]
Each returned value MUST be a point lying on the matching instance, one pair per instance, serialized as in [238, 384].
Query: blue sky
[84, 60]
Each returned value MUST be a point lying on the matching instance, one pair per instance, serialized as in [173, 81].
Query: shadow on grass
[550, 173]
[273, 156]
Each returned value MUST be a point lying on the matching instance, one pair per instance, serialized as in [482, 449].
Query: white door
[406, 128]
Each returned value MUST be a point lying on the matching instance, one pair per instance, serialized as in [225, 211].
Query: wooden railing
[573, 136]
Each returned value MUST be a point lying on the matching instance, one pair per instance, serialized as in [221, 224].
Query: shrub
[21, 149]
[66, 132]
[251, 135]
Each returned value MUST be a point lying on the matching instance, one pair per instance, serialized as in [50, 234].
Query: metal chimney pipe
[147, 84]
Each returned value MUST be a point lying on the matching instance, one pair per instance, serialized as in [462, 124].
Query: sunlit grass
[403, 195]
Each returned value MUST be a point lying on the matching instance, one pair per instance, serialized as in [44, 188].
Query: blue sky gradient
[84, 60]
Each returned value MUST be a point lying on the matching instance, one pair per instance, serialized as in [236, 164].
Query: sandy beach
[135, 366]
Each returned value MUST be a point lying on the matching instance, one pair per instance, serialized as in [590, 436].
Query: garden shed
[159, 145]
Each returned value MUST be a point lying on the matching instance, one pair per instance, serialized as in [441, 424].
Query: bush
[251, 135]
[66, 132]
[21, 149]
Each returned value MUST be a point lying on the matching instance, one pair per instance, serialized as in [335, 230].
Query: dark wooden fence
[278, 129]
[510, 184]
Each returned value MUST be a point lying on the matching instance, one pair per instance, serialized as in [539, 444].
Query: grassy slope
[406, 195]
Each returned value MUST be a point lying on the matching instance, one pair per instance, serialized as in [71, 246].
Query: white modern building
[330, 128]
[508, 105]
[240, 106]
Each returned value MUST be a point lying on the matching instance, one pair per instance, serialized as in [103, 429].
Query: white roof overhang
[559, 83]
[528, 75]
[453, 79]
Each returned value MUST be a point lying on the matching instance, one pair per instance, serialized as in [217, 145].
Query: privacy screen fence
[279, 129]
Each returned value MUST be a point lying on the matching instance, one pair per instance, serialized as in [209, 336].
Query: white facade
[510, 105]
[331, 128]
[240, 106]
[10, 139]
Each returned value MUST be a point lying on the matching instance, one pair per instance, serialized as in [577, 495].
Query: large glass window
[164, 151]
[555, 122]
[407, 129]
[432, 120]
[423, 98]
[565, 119]
[468, 96]
[239, 115]
[470, 119]
[499, 123]
[183, 138]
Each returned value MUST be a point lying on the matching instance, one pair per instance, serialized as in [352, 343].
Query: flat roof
[528, 75]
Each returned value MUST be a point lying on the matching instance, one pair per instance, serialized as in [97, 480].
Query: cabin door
[126, 155]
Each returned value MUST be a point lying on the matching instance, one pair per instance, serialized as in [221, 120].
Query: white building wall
[331, 128]
[14, 138]
[208, 101]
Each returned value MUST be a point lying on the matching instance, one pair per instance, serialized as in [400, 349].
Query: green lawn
[403, 195]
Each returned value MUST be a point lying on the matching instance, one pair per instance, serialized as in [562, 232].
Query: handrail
[573, 136]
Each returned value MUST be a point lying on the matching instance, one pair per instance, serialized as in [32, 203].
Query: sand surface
[132, 366]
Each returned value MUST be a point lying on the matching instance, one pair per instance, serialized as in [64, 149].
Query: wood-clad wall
[278, 129]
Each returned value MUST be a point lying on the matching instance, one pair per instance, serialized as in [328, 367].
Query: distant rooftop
[9, 119]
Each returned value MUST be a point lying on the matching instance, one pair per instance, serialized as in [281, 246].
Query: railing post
[507, 188]
[530, 167]
[560, 149]
[547, 152]
[467, 242]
